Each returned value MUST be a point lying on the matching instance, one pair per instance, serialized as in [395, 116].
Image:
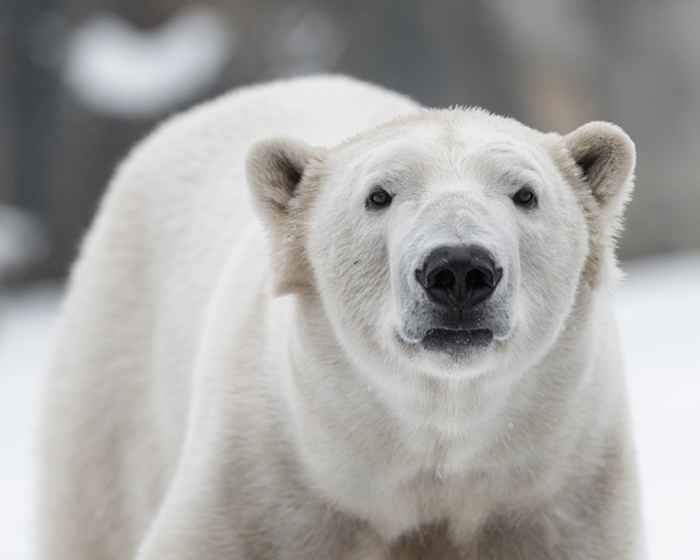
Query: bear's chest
[428, 543]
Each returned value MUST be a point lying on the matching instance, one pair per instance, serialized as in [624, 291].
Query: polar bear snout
[455, 297]
[459, 276]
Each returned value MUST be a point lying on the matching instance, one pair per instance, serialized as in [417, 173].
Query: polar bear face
[451, 243]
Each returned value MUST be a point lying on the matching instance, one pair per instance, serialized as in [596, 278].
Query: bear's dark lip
[446, 339]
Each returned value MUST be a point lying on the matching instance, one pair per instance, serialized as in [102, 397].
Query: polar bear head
[450, 242]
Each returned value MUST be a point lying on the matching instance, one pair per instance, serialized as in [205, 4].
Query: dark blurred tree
[27, 105]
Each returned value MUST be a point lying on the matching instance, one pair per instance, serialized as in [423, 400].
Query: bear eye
[378, 198]
[525, 198]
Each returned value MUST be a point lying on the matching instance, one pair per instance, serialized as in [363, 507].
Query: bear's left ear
[276, 171]
[605, 156]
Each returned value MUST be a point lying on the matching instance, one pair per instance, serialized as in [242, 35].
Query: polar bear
[314, 320]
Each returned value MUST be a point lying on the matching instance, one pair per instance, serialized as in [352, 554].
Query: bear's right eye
[378, 198]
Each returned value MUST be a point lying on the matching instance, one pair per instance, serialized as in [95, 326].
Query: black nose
[459, 276]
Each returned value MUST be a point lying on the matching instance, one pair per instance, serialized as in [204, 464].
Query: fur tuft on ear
[276, 171]
[605, 156]
[598, 158]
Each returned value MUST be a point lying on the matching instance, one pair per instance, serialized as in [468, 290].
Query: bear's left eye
[525, 197]
[378, 198]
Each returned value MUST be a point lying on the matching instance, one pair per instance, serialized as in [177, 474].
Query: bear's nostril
[477, 279]
[444, 279]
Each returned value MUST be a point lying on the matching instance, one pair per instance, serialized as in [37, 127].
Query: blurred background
[81, 81]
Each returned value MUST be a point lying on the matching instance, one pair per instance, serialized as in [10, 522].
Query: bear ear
[275, 170]
[605, 156]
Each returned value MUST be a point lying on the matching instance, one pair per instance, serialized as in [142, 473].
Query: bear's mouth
[456, 339]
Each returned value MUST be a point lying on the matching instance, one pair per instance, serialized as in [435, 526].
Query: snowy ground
[658, 307]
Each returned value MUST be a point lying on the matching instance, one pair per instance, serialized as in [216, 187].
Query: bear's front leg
[559, 535]
[192, 524]
[223, 509]
[185, 530]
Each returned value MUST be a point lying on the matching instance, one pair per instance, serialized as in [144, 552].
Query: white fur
[192, 413]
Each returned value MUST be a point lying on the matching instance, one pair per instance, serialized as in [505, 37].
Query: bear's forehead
[431, 135]
[447, 139]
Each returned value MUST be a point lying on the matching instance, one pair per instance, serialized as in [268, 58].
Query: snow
[116, 69]
[658, 308]
[26, 325]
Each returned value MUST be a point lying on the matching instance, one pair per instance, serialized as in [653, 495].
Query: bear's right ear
[275, 170]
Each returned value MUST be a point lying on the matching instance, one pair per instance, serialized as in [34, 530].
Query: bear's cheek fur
[350, 262]
[552, 251]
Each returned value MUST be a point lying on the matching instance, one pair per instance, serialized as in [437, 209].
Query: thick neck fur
[410, 451]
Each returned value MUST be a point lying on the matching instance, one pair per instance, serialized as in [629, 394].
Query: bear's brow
[501, 147]
[396, 159]
[511, 151]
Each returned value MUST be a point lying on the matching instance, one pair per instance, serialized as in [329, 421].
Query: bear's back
[132, 321]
